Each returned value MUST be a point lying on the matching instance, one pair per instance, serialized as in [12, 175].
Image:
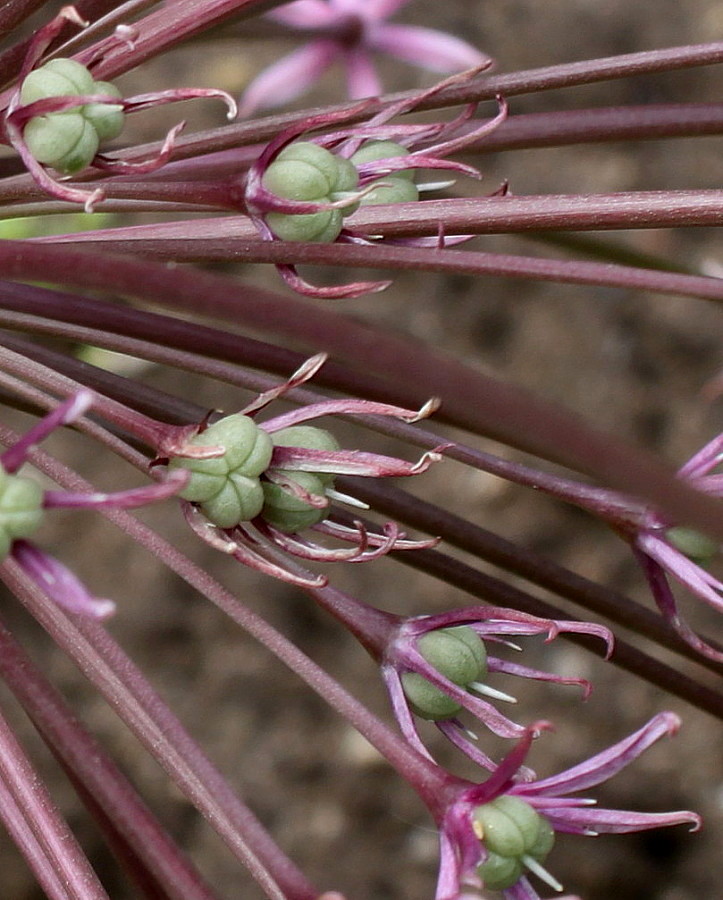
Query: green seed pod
[297, 180]
[228, 486]
[693, 544]
[458, 654]
[500, 872]
[106, 118]
[21, 509]
[391, 189]
[544, 842]
[292, 514]
[374, 150]
[524, 816]
[58, 78]
[65, 141]
[240, 499]
[500, 833]
[322, 227]
[310, 438]
[426, 700]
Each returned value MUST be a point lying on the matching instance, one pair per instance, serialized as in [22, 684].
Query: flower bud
[21, 509]
[292, 514]
[456, 653]
[227, 487]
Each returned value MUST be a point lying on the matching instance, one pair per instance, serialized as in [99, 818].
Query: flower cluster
[302, 190]
[492, 834]
[60, 114]
[254, 486]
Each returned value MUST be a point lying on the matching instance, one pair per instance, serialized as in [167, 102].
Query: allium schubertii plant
[260, 414]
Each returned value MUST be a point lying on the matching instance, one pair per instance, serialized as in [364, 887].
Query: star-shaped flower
[350, 32]
[493, 833]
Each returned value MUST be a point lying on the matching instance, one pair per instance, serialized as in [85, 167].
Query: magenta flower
[23, 503]
[436, 666]
[493, 833]
[255, 487]
[350, 32]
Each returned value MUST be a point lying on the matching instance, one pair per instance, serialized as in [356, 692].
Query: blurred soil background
[631, 363]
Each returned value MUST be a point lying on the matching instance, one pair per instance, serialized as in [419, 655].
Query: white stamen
[345, 498]
[534, 866]
[435, 185]
[487, 691]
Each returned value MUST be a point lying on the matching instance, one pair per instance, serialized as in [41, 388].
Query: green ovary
[21, 509]
[292, 514]
[227, 487]
[458, 654]
[511, 831]
[69, 140]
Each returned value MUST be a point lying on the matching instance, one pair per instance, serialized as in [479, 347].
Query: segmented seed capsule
[397, 187]
[228, 488]
[304, 171]
[282, 509]
[69, 140]
[513, 833]
[457, 653]
[21, 509]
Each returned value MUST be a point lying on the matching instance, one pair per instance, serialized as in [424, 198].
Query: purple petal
[305, 14]
[289, 77]
[361, 76]
[434, 50]
[606, 764]
[614, 821]
[348, 407]
[59, 583]
[704, 460]
[63, 414]
[521, 890]
[689, 574]
[130, 499]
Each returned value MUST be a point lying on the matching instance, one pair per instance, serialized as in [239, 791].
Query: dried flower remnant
[23, 503]
[59, 116]
[350, 32]
[437, 666]
[494, 834]
[255, 486]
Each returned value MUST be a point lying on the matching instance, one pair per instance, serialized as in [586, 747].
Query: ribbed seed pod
[457, 653]
[227, 487]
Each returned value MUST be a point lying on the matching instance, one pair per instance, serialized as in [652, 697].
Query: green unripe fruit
[58, 78]
[374, 150]
[322, 227]
[458, 654]
[107, 119]
[513, 831]
[500, 872]
[310, 438]
[65, 141]
[69, 140]
[227, 487]
[391, 189]
[426, 700]
[693, 544]
[288, 513]
[21, 509]
[296, 180]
